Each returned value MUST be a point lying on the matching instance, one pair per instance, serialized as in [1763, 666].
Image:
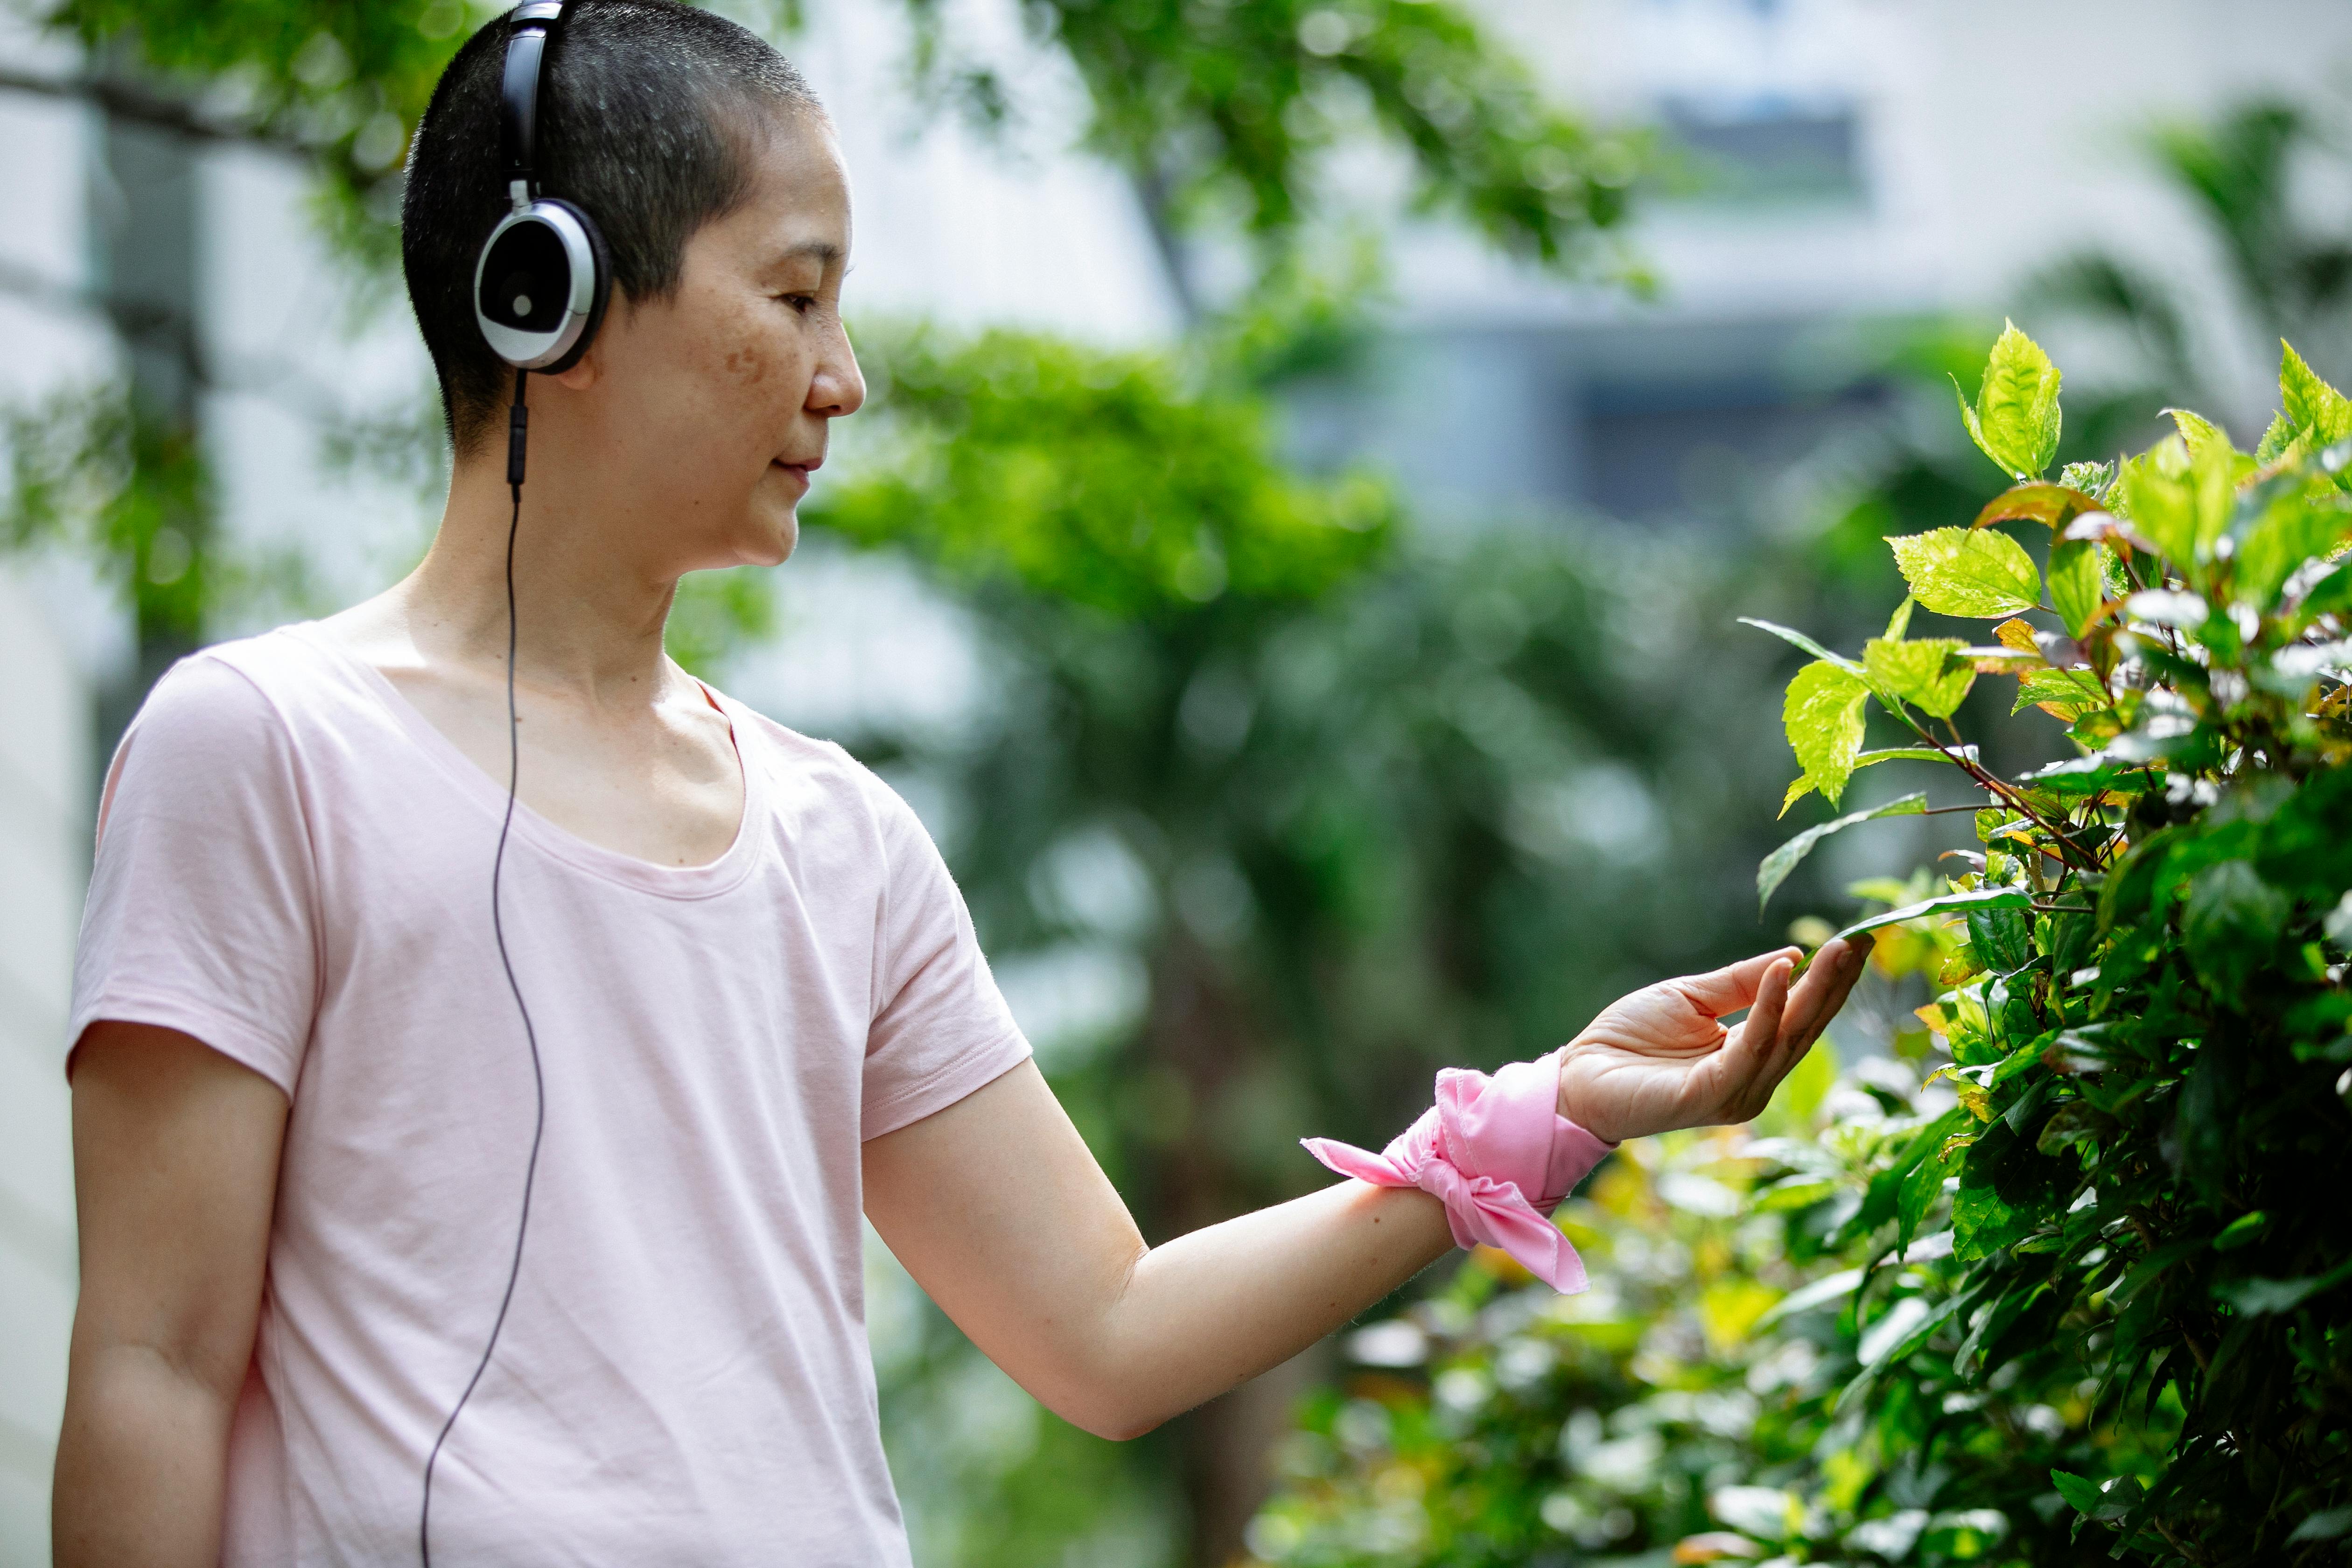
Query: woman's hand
[1660, 1058]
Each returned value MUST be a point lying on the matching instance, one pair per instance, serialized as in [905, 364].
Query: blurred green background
[1317, 454]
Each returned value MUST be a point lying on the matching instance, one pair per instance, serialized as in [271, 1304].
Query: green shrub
[2093, 1297]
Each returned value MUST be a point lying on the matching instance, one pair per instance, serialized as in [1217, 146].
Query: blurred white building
[1866, 161]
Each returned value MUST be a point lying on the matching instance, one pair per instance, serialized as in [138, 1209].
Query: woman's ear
[589, 369]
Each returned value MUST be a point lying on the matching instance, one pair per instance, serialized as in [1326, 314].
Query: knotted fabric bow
[1499, 1154]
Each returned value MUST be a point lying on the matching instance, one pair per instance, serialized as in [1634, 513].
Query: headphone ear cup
[541, 285]
[600, 284]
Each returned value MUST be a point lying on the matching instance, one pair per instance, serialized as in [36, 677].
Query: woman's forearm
[1213, 1308]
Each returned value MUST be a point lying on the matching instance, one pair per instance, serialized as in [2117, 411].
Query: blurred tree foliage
[1353, 802]
[1193, 102]
[1196, 105]
[90, 473]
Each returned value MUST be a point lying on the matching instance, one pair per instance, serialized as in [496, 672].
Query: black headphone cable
[518, 423]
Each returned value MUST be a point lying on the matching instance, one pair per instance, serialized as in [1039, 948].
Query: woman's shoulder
[823, 775]
[223, 721]
[236, 689]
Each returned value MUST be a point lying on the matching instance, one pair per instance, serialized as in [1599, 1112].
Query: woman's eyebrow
[821, 250]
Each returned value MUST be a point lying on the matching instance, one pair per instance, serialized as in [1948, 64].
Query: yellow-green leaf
[2320, 413]
[2277, 441]
[1967, 571]
[2065, 694]
[1800, 788]
[2015, 421]
[2202, 435]
[2290, 532]
[2180, 503]
[1923, 673]
[1823, 716]
[2077, 587]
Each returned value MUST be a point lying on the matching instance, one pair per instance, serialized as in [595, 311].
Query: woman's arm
[999, 1212]
[176, 1177]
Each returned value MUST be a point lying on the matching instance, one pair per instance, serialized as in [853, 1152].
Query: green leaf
[1823, 716]
[1790, 635]
[1922, 1185]
[2324, 1526]
[2003, 938]
[2261, 1298]
[2077, 585]
[2276, 440]
[1776, 867]
[2290, 532]
[1899, 623]
[2201, 434]
[2084, 1496]
[2066, 693]
[2242, 1231]
[1923, 673]
[2015, 421]
[1967, 571]
[2231, 925]
[2181, 502]
[1802, 787]
[2321, 414]
[1949, 903]
[1819, 1294]
[2091, 479]
[1983, 1222]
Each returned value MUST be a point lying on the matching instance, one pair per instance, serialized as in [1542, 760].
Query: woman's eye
[804, 303]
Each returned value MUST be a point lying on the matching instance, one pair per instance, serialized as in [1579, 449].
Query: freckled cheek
[763, 362]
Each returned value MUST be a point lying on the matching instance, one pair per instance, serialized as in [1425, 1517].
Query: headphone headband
[526, 38]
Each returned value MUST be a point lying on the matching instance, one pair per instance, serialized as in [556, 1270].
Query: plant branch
[1957, 754]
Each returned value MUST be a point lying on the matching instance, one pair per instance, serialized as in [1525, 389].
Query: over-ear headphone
[544, 276]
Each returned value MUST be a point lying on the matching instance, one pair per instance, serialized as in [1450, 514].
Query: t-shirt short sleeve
[940, 1027]
[202, 914]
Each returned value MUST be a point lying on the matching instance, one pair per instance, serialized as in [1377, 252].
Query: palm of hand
[1661, 1058]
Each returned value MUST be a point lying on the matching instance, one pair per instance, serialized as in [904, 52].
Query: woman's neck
[589, 615]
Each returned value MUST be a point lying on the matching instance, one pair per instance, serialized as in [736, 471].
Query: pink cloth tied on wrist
[1499, 1154]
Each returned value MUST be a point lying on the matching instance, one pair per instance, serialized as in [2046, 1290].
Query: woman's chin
[775, 540]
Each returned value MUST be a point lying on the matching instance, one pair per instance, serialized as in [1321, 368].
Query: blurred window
[1768, 152]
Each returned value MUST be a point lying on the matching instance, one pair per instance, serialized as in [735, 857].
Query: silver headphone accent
[524, 328]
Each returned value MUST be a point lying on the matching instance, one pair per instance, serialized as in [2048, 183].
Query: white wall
[44, 825]
[55, 631]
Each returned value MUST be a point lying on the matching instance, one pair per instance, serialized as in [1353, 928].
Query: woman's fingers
[1735, 985]
[1823, 990]
[1747, 1054]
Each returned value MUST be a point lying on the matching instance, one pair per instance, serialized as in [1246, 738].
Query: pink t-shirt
[294, 866]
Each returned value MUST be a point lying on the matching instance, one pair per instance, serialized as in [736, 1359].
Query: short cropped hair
[649, 115]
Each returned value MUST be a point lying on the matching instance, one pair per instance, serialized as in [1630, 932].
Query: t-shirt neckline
[711, 878]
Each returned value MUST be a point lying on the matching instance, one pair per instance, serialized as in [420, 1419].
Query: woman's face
[711, 408]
